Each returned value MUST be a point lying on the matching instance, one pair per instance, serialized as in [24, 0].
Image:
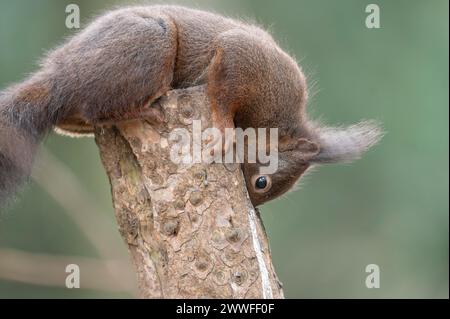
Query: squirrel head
[294, 155]
[298, 153]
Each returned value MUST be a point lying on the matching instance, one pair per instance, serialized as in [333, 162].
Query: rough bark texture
[191, 230]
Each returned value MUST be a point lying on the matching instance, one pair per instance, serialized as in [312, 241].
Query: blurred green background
[391, 208]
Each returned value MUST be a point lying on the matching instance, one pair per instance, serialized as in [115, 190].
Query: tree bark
[191, 229]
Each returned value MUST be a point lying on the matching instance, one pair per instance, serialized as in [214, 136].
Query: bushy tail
[24, 120]
[345, 144]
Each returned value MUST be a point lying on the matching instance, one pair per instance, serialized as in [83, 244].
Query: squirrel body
[122, 62]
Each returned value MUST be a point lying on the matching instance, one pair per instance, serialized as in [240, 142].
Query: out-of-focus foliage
[390, 208]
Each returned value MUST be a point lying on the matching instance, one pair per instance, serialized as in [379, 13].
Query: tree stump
[191, 229]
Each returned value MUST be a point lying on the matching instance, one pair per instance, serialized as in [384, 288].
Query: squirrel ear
[287, 143]
[306, 148]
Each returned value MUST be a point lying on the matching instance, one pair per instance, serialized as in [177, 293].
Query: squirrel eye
[261, 182]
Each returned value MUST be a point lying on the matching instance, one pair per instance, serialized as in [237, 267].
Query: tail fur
[24, 120]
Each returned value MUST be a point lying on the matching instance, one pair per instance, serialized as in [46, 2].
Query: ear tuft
[346, 144]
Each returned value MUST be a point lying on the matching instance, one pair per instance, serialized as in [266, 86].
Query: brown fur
[128, 58]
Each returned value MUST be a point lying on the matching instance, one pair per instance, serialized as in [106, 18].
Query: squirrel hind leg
[78, 127]
[150, 111]
[137, 66]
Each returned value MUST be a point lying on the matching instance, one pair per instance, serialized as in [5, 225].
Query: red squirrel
[126, 59]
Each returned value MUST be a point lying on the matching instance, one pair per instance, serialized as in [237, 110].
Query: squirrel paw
[225, 142]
